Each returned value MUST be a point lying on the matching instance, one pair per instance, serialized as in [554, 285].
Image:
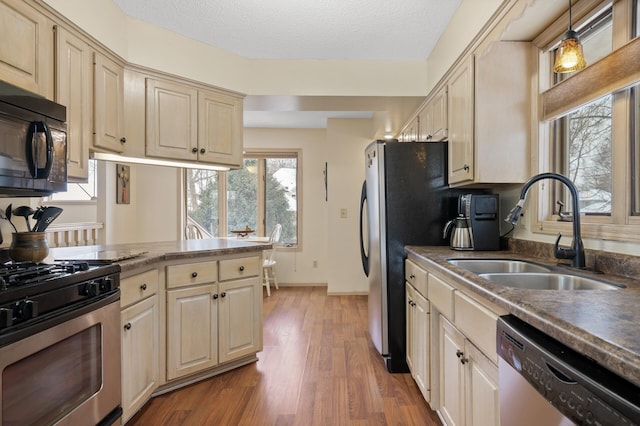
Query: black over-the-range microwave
[33, 144]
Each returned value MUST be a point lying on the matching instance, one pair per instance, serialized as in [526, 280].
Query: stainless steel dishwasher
[545, 383]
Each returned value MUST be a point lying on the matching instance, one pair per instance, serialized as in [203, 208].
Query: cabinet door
[108, 104]
[451, 374]
[482, 408]
[424, 124]
[421, 351]
[172, 120]
[409, 315]
[140, 353]
[460, 117]
[438, 112]
[192, 340]
[240, 318]
[74, 90]
[26, 49]
[219, 129]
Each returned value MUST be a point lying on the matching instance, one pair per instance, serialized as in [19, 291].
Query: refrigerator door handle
[364, 256]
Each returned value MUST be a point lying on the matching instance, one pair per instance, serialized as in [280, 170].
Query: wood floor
[318, 367]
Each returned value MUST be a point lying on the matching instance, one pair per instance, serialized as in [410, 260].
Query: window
[592, 119]
[583, 138]
[260, 195]
[80, 191]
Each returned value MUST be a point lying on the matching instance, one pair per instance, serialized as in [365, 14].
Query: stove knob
[90, 289]
[106, 284]
[6, 317]
[27, 309]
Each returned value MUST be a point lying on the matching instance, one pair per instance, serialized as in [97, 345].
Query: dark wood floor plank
[318, 367]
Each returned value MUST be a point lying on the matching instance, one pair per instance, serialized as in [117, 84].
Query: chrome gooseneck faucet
[576, 252]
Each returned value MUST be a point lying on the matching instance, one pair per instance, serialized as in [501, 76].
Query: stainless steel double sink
[530, 275]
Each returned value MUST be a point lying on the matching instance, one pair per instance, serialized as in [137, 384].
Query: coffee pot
[461, 238]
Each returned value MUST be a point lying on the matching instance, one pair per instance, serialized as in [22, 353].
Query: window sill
[598, 231]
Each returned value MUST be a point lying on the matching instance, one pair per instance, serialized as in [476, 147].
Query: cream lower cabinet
[192, 330]
[214, 313]
[140, 340]
[240, 308]
[468, 381]
[418, 339]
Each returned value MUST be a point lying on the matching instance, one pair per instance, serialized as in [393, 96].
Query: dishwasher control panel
[579, 388]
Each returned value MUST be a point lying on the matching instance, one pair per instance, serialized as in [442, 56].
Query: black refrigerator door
[363, 254]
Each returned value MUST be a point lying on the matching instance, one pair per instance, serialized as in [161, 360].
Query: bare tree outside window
[202, 198]
[589, 157]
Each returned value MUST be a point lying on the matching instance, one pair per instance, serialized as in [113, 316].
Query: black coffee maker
[482, 212]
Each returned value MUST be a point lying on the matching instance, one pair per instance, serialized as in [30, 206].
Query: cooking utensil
[36, 215]
[7, 215]
[48, 215]
[24, 211]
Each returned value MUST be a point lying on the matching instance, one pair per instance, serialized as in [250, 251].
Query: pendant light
[569, 56]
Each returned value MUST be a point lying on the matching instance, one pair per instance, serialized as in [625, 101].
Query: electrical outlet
[343, 213]
[315, 263]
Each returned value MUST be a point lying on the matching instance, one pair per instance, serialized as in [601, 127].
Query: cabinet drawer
[138, 287]
[192, 274]
[441, 296]
[477, 323]
[243, 267]
[416, 276]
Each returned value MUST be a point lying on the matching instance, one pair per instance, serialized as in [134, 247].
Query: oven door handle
[33, 150]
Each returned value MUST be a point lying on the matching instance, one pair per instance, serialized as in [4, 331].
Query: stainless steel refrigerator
[405, 201]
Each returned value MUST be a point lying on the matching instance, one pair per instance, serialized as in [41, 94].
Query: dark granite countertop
[601, 324]
[161, 251]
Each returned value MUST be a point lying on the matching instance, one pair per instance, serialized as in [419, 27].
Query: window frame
[622, 224]
[222, 193]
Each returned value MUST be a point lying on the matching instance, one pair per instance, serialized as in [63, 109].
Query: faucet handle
[563, 253]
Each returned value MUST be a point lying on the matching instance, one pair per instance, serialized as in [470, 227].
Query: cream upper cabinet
[74, 89]
[460, 116]
[219, 128]
[26, 47]
[437, 125]
[172, 120]
[108, 104]
[488, 114]
[433, 118]
[188, 123]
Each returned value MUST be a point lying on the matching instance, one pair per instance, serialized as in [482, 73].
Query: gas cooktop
[29, 290]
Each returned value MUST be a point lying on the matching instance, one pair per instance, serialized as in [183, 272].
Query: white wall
[155, 47]
[154, 209]
[346, 142]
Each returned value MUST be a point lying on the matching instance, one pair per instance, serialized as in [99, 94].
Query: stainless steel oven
[60, 350]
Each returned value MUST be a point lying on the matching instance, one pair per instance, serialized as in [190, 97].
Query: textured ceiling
[304, 29]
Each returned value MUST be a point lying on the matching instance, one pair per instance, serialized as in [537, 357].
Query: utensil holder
[29, 247]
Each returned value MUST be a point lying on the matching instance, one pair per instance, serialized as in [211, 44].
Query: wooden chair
[269, 261]
[192, 232]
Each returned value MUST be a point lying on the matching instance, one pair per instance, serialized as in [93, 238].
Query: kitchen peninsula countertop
[161, 251]
[601, 324]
